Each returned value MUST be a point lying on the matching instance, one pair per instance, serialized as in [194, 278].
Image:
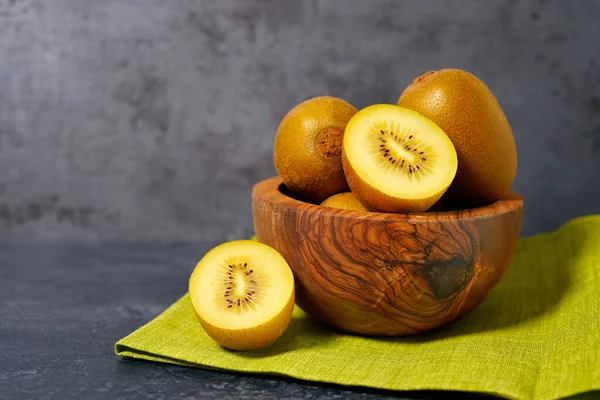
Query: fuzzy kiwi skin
[375, 200]
[252, 338]
[465, 108]
[312, 172]
[344, 201]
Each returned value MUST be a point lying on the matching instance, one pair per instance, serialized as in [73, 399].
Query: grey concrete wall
[152, 119]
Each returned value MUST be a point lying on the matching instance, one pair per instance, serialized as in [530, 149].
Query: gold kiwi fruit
[345, 201]
[243, 294]
[465, 108]
[308, 147]
[396, 160]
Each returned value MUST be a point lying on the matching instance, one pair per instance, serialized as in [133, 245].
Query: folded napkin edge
[127, 352]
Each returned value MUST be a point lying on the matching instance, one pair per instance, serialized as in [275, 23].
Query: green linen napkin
[536, 337]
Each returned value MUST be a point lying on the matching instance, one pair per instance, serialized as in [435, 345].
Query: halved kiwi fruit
[396, 160]
[345, 201]
[243, 294]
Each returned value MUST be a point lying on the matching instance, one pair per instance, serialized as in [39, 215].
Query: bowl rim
[269, 190]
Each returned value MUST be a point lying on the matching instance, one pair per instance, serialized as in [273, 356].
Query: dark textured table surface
[62, 307]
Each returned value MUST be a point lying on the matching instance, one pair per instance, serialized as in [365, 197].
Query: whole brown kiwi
[465, 108]
[344, 201]
[308, 148]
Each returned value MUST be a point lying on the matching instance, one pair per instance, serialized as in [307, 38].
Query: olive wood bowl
[384, 274]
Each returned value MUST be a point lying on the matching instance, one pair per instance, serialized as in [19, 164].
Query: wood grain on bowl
[388, 274]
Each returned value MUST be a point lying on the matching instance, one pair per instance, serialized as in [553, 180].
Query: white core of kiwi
[239, 287]
[402, 152]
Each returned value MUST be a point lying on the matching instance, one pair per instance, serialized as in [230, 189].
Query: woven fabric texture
[537, 336]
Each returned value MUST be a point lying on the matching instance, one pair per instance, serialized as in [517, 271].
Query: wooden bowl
[388, 274]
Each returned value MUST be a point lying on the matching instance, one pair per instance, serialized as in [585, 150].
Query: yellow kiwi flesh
[467, 111]
[308, 146]
[345, 201]
[396, 160]
[243, 294]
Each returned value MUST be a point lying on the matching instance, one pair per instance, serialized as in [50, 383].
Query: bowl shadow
[302, 333]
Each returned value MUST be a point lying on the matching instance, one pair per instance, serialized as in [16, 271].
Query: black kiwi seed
[232, 300]
[405, 142]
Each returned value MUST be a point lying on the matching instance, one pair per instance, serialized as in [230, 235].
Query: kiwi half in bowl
[396, 160]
